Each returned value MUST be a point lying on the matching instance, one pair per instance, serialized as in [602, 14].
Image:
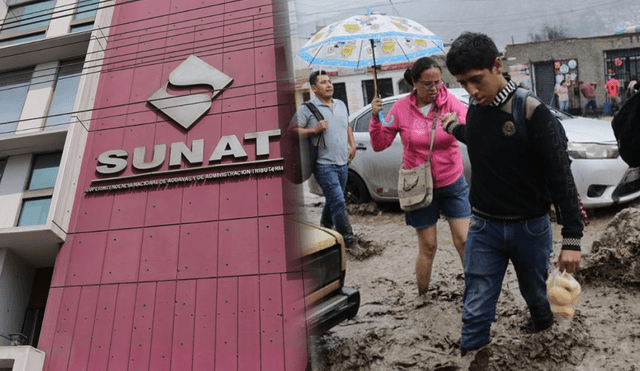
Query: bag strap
[433, 131]
[519, 111]
[316, 112]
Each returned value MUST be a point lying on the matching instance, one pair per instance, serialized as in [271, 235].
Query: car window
[362, 122]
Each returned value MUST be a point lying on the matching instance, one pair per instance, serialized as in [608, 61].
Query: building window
[35, 211]
[385, 89]
[13, 93]
[3, 163]
[26, 22]
[84, 15]
[86, 9]
[340, 92]
[64, 94]
[36, 199]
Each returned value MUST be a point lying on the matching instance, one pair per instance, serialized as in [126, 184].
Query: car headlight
[592, 150]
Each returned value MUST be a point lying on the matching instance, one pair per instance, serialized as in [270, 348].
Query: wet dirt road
[394, 331]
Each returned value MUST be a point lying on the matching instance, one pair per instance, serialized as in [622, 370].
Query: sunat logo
[187, 109]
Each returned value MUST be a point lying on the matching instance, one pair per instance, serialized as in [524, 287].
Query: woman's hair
[413, 73]
[471, 51]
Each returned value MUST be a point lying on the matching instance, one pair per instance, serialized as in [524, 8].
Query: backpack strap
[316, 112]
[519, 111]
[312, 107]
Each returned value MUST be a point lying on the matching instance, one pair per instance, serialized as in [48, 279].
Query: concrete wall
[21, 358]
[588, 52]
[16, 279]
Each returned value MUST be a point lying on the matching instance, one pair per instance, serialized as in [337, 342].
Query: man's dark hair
[313, 78]
[413, 73]
[471, 51]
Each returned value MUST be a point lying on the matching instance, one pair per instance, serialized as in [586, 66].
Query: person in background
[613, 91]
[414, 116]
[563, 96]
[588, 90]
[632, 87]
[516, 178]
[331, 168]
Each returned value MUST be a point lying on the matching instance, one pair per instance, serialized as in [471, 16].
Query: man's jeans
[333, 180]
[490, 246]
[591, 102]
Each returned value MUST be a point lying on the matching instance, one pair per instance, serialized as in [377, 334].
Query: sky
[506, 21]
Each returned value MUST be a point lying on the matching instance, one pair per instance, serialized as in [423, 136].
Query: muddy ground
[394, 331]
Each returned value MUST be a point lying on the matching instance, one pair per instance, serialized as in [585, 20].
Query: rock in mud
[369, 208]
[615, 255]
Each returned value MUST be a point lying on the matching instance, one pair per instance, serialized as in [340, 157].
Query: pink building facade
[177, 255]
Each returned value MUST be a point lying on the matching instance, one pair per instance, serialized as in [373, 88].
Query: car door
[378, 170]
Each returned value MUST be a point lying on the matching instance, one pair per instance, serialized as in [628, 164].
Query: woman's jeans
[564, 104]
[490, 247]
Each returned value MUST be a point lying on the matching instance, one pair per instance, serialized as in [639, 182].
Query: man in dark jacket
[516, 178]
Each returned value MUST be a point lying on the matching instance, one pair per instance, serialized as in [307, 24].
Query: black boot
[344, 228]
[325, 219]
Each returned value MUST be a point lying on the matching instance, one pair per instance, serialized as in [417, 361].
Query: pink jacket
[415, 131]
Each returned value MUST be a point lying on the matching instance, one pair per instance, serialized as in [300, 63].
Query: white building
[50, 55]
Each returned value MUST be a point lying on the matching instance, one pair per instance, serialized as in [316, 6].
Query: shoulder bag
[307, 156]
[415, 186]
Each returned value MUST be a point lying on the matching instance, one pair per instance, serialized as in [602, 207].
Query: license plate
[631, 175]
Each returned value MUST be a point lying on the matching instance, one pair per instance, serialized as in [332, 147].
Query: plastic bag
[563, 292]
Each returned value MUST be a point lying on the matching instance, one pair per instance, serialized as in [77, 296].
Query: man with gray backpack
[325, 121]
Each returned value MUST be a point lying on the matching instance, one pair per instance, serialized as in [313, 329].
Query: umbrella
[355, 41]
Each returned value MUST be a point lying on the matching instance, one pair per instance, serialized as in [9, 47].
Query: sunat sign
[186, 110]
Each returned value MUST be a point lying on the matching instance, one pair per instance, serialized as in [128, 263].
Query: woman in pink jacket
[413, 119]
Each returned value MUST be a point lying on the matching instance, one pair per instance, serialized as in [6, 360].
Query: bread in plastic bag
[563, 292]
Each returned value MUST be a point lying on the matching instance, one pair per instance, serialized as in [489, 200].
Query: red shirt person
[588, 90]
[613, 90]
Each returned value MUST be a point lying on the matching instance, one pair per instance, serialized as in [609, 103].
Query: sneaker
[350, 239]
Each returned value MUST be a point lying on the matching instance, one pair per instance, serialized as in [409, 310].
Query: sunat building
[143, 222]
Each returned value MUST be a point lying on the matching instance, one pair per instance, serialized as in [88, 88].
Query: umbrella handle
[375, 84]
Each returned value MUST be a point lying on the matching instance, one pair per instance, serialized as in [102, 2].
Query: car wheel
[356, 191]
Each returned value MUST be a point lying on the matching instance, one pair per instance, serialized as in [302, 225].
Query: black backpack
[303, 151]
[626, 128]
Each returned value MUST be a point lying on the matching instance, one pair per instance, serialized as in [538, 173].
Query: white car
[601, 176]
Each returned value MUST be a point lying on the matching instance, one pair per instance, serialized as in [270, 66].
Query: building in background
[143, 221]
[48, 56]
[542, 65]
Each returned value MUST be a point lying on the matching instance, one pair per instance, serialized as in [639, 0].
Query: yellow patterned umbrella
[370, 40]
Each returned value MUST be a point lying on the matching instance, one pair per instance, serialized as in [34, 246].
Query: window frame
[79, 22]
[24, 71]
[3, 166]
[18, 35]
[36, 194]
[62, 64]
